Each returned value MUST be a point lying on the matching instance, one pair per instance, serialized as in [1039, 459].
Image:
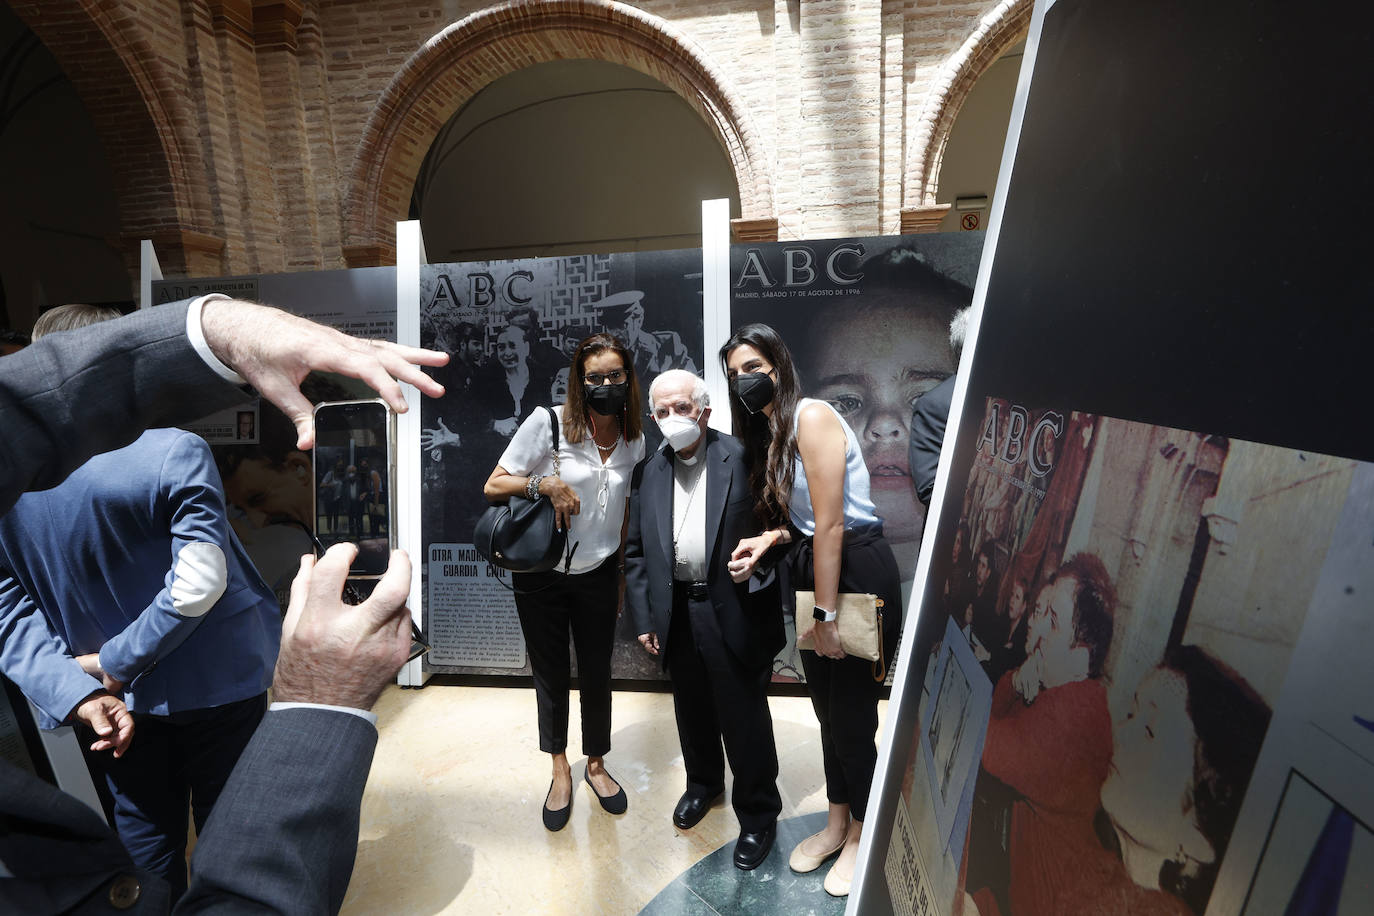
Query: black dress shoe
[691, 809]
[614, 804]
[753, 848]
[556, 820]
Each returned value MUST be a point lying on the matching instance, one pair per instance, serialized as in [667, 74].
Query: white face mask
[681, 432]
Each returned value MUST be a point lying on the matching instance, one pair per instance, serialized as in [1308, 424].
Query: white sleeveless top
[859, 511]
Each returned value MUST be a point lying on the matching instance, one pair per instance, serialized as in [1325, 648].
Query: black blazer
[751, 624]
[928, 421]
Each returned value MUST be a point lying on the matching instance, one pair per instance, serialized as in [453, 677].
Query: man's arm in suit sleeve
[70, 396]
[636, 573]
[928, 421]
[35, 657]
[284, 833]
[198, 575]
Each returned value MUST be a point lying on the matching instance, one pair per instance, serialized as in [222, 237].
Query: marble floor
[451, 823]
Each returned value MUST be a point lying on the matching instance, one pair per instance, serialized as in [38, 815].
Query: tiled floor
[450, 819]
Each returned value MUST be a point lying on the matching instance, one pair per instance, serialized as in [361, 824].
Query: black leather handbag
[522, 534]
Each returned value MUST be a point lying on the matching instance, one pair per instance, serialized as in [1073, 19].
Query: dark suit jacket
[928, 421]
[285, 831]
[751, 624]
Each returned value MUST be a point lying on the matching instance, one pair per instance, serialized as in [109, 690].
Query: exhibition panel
[512, 328]
[1134, 682]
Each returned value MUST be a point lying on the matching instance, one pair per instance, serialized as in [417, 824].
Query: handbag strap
[553, 430]
[879, 666]
[557, 472]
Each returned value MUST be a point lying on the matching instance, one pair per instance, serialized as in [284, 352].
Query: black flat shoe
[691, 809]
[753, 848]
[614, 804]
[556, 820]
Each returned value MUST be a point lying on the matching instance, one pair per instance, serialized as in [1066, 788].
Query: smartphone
[355, 474]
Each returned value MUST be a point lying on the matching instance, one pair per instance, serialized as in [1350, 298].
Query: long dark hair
[770, 443]
[576, 420]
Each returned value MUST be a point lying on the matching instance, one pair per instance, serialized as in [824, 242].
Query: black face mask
[754, 389]
[608, 400]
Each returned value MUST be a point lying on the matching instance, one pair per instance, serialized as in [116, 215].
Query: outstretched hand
[435, 438]
[274, 351]
[340, 654]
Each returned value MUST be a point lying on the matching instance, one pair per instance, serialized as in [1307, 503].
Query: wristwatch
[822, 614]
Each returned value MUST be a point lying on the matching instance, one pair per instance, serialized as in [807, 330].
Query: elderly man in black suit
[690, 504]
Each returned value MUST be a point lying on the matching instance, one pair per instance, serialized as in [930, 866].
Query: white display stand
[64, 756]
[148, 271]
[715, 288]
[410, 255]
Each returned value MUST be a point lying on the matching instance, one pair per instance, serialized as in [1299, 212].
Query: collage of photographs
[1121, 607]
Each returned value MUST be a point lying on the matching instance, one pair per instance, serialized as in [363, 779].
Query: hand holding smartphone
[355, 466]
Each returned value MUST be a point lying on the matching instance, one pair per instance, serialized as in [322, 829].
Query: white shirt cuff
[197, 336]
[360, 713]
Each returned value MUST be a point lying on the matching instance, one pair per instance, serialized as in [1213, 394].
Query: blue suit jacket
[285, 831]
[91, 563]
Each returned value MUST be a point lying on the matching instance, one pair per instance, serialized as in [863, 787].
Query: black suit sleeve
[636, 574]
[283, 834]
[79, 393]
[928, 436]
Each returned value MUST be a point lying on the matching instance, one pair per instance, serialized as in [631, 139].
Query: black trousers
[717, 698]
[584, 606]
[843, 692]
[177, 764]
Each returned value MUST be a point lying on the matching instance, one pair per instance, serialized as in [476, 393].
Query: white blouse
[603, 489]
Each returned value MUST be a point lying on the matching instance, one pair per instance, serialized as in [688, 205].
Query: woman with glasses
[811, 483]
[599, 445]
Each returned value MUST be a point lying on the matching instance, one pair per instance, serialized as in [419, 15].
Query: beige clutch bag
[860, 619]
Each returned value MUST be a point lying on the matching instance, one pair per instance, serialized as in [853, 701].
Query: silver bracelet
[532, 486]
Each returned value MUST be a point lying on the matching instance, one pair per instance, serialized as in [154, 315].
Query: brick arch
[140, 113]
[1000, 28]
[452, 67]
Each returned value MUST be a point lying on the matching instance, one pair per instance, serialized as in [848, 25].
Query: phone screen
[352, 489]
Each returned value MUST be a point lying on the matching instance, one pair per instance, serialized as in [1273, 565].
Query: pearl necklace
[602, 448]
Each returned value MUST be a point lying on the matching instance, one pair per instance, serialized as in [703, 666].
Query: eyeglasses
[597, 379]
[683, 408]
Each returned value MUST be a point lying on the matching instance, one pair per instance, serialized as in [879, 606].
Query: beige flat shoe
[803, 862]
[835, 885]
